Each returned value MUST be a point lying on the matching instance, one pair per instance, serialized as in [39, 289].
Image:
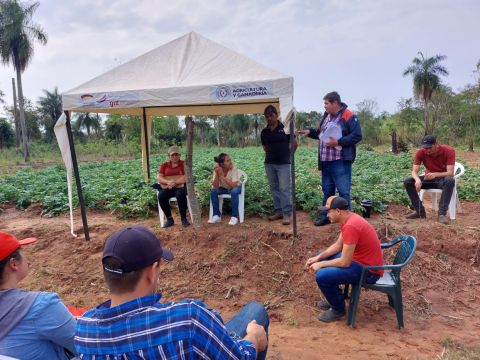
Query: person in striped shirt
[134, 324]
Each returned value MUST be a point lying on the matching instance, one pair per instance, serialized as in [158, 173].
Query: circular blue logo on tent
[223, 93]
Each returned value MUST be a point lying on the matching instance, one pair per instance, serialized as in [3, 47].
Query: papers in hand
[333, 130]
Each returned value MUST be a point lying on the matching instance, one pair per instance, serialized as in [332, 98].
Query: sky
[359, 48]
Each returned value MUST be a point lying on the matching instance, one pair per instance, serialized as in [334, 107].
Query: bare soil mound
[228, 266]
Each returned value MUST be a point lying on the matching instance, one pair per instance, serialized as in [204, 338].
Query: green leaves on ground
[118, 186]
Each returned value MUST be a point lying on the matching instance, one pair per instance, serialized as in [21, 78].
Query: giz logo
[114, 103]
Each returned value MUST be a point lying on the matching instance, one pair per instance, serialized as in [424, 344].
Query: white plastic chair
[241, 198]
[161, 215]
[454, 201]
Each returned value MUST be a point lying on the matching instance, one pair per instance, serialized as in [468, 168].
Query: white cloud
[359, 48]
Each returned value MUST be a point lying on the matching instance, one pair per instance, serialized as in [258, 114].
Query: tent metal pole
[147, 152]
[77, 176]
[292, 165]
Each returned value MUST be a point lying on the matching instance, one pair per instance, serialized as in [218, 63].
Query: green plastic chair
[389, 283]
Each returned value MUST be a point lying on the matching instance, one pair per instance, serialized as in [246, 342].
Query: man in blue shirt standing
[337, 134]
[133, 324]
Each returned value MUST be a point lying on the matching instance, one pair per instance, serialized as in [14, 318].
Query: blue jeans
[336, 175]
[234, 193]
[237, 326]
[279, 179]
[329, 278]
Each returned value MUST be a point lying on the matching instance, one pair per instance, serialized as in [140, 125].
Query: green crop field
[118, 186]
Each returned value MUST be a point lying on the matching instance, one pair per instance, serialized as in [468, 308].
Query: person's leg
[328, 185]
[446, 184]
[235, 194]
[285, 188]
[412, 193]
[181, 195]
[341, 173]
[272, 176]
[237, 326]
[163, 196]
[329, 278]
[214, 199]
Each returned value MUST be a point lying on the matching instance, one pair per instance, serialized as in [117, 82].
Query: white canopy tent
[188, 76]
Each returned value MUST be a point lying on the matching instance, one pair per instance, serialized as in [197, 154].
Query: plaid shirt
[328, 153]
[144, 328]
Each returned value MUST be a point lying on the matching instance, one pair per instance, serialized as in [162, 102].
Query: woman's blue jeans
[237, 326]
[234, 193]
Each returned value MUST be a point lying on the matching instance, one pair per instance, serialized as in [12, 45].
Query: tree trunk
[23, 123]
[192, 196]
[15, 115]
[470, 145]
[394, 142]
[428, 131]
[256, 130]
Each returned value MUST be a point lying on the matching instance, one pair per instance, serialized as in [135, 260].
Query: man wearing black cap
[341, 263]
[133, 324]
[439, 162]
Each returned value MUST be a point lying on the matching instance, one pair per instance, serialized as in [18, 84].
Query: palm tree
[50, 106]
[426, 80]
[87, 121]
[17, 34]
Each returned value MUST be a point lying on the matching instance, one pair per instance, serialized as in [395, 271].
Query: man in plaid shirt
[335, 154]
[133, 324]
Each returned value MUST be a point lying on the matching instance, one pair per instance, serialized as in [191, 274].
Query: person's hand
[315, 266]
[430, 176]
[332, 142]
[303, 132]
[256, 333]
[418, 185]
[218, 170]
[312, 260]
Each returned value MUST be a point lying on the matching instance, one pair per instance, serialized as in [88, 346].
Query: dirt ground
[228, 266]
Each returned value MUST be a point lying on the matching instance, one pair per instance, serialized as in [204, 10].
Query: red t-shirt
[437, 162]
[356, 230]
[167, 170]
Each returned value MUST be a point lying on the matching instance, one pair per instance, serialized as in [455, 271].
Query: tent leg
[192, 196]
[292, 164]
[147, 152]
[77, 176]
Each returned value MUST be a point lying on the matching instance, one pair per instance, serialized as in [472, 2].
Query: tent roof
[189, 71]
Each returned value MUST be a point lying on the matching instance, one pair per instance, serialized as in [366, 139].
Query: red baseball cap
[9, 243]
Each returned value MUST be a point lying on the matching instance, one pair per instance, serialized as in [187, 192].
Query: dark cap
[428, 141]
[270, 109]
[335, 202]
[135, 247]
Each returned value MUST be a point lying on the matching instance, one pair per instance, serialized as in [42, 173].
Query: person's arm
[257, 336]
[342, 262]
[212, 340]
[216, 178]
[418, 181]
[333, 249]
[354, 134]
[224, 179]
[54, 322]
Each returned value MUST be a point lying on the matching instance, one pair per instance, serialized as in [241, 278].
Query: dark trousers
[180, 194]
[446, 184]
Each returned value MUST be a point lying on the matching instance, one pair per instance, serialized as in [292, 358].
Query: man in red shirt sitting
[341, 263]
[439, 162]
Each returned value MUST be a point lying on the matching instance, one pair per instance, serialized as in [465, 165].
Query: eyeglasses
[176, 154]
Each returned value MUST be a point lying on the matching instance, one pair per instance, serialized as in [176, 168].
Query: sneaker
[416, 215]
[442, 219]
[185, 222]
[275, 216]
[331, 315]
[322, 304]
[169, 222]
[322, 221]
[215, 219]
[233, 221]
[286, 220]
